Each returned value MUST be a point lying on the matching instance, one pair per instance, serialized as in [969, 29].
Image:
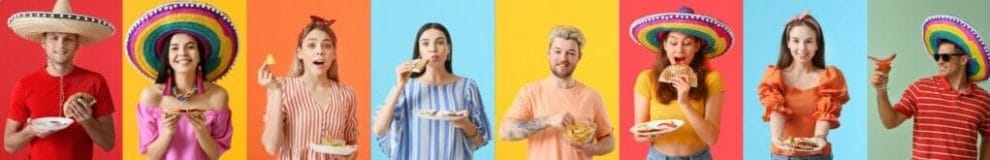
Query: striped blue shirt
[414, 138]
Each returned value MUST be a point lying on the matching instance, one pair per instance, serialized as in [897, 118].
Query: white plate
[440, 115]
[794, 147]
[655, 125]
[343, 150]
[51, 123]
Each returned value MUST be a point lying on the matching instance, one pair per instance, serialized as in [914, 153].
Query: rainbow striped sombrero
[648, 31]
[211, 28]
[940, 28]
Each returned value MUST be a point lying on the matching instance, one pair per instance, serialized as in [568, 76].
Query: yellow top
[645, 86]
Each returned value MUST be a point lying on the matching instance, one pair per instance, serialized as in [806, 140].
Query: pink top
[184, 145]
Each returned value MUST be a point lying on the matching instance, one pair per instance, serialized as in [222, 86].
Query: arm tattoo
[532, 126]
[525, 129]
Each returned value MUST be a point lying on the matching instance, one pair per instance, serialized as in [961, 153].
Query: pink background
[634, 59]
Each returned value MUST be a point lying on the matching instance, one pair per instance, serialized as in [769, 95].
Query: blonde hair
[567, 33]
[320, 24]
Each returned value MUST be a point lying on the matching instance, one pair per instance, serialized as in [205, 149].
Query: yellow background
[234, 81]
[520, 55]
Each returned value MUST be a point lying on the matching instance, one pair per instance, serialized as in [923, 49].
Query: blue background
[844, 26]
[471, 24]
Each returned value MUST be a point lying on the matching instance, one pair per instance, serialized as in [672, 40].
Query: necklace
[182, 97]
[61, 94]
[61, 86]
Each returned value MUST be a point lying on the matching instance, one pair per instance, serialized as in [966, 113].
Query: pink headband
[805, 17]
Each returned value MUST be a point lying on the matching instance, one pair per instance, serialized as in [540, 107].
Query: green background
[895, 26]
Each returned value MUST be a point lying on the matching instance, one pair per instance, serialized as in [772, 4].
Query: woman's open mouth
[679, 60]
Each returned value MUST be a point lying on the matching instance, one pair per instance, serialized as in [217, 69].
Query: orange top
[543, 98]
[803, 107]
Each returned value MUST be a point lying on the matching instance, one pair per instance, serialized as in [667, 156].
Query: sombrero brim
[208, 25]
[647, 31]
[949, 28]
[33, 25]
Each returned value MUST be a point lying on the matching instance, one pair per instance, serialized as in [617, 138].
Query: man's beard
[567, 74]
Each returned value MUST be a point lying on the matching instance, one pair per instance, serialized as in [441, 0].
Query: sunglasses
[945, 56]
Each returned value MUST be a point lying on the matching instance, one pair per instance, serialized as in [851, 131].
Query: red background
[21, 57]
[634, 59]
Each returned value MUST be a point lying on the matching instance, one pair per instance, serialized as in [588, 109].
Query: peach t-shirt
[543, 98]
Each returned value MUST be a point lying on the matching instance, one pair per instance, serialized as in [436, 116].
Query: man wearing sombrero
[949, 109]
[60, 90]
[560, 117]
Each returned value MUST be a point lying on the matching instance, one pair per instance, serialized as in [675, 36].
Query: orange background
[275, 27]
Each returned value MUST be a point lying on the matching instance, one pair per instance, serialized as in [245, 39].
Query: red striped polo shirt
[946, 122]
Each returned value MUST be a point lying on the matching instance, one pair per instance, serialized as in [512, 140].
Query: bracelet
[883, 88]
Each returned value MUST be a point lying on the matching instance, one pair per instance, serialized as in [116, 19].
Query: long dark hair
[165, 71]
[785, 59]
[450, 45]
[666, 91]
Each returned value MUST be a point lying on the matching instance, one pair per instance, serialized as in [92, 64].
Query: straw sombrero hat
[648, 31]
[208, 25]
[940, 28]
[32, 25]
